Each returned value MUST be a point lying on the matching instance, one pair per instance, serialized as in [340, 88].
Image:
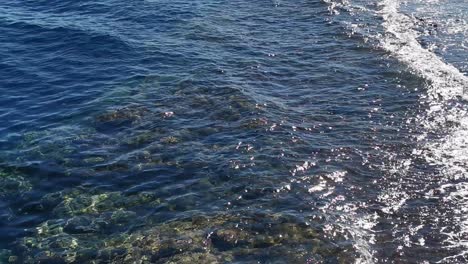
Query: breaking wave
[440, 133]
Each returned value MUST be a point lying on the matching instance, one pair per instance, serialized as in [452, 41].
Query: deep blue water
[233, 131]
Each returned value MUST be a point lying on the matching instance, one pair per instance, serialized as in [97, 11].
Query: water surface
[233, 131]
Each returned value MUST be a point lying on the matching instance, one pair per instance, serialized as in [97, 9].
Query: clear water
[233, 131]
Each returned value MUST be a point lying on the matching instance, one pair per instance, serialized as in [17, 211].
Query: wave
[402, 42]
[443, 140]
[447, 115]
[69, 25]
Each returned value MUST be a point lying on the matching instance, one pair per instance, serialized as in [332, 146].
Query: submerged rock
[130, 113]
[170, 140]
[225, 239]
[218, 238]
[82, 224]
[12, 183]
[143, 138]
[77, 203]
[255, 123]
[5, 255]
[94, 160]
[195, 258]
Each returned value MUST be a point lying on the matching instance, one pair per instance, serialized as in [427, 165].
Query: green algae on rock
[217, 238]
[170, 140]
[130, 113]
[13, 183]
[86, 203]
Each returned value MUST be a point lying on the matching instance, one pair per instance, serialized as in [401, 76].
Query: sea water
[281, 131]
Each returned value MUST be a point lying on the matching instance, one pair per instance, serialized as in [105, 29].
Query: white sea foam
[446, 115]
[447, 82]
